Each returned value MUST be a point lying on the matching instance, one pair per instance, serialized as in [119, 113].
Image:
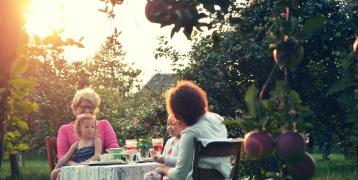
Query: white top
[170, 160]
[209, 126]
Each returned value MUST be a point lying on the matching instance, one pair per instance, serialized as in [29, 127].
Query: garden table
[131, 171]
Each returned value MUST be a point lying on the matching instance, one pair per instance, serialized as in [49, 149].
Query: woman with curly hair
[188, 103]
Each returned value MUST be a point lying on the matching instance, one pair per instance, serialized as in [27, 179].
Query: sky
[139, 37]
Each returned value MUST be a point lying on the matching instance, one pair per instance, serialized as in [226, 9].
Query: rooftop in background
[161, 80]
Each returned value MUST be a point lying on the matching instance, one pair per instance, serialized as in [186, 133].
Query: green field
[36, 168]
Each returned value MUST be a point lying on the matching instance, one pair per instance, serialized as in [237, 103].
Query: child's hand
[159, 159]
[153, 153]
[74, 164]
[71, 163]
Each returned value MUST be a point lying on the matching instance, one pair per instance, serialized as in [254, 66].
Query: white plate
[145, 160]
[98, 163]
[114, 150]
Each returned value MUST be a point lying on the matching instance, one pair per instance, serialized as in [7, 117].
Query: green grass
[334, 168]
[36, 168]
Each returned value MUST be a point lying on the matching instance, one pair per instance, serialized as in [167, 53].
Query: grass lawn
[334, 168]
[36, 168]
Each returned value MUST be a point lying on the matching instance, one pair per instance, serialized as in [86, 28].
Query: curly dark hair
[186, 101]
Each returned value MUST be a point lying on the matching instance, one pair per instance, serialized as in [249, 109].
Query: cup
[117, 156]
[106, 157]
[131, 145]
[158, 144]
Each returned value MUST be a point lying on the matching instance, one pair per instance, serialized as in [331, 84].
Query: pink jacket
[66, 137]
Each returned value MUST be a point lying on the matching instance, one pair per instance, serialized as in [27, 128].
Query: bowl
[114, 150]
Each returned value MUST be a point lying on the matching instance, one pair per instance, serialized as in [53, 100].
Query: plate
[114, 150]
[144, 160]
[98, 163]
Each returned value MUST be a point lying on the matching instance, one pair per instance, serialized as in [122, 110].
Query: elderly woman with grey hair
[85, 101]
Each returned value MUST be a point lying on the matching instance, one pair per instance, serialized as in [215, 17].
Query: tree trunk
[15, 171]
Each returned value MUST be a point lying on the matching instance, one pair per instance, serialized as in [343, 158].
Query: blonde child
[87, 148]
[170, 152]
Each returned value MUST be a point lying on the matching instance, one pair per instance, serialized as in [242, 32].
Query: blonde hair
[80, 118]
[88, 94]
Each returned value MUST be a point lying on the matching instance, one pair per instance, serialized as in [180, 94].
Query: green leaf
[22, 147]
[251, 100]
[10, 135]
[22, 124]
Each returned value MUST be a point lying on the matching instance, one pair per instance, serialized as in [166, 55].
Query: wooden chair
[51, 148]
[216, 149]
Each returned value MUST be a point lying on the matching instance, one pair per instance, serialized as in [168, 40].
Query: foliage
[321, 65]
[131, 110]
[114, 80]
[11, 34]
[185, 14]
[239, 54]
[283, 27]
[145, 144]
[19, 106]
[145, 116]
[348, 99]
[122, 104]
[56, 80]
[284, 110]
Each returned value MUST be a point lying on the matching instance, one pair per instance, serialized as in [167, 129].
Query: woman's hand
[162, 169]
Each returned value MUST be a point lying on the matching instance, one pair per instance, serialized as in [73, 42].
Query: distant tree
[112, 78]
[57, 81]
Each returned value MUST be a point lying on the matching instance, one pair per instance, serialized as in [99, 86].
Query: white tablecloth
[132, 171]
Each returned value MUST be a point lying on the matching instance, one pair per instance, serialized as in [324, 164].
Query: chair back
[51, 148]
[224, 148]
